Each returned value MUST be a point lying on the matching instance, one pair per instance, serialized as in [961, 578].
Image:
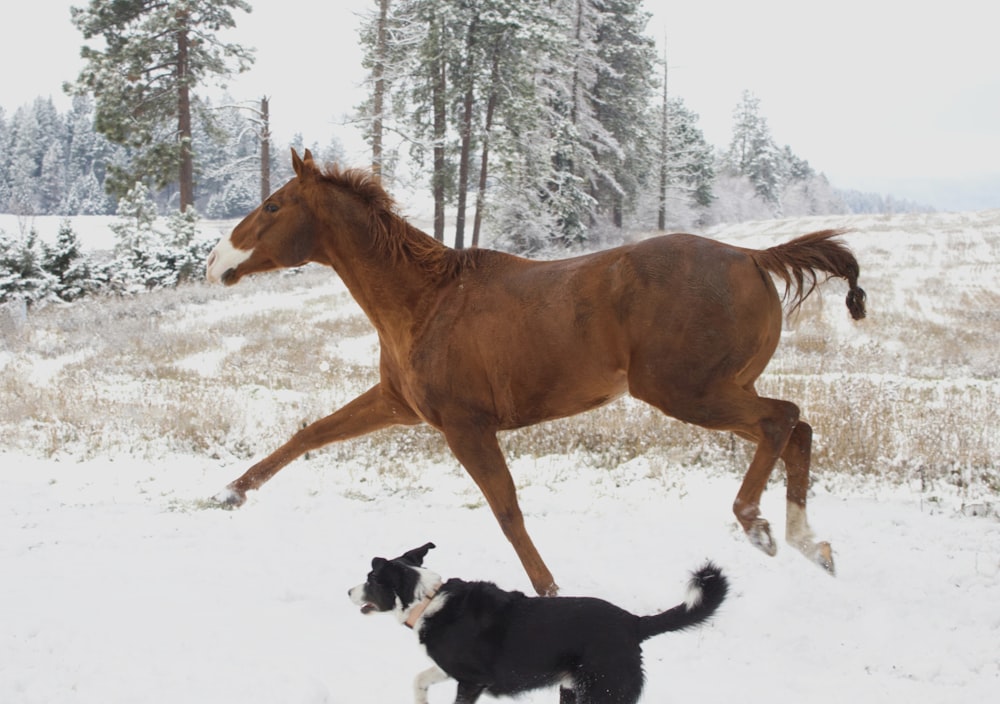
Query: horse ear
[417, 555]
[302, 165]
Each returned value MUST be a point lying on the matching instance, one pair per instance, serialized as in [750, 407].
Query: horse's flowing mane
[391, 233]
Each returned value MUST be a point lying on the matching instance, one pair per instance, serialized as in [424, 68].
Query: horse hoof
[823, 556]
[551, 590]
[229, 498]
[760, 537]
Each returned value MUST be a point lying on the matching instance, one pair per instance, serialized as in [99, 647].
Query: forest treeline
[541, 124]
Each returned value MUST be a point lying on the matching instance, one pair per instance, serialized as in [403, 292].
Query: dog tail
[706, 591]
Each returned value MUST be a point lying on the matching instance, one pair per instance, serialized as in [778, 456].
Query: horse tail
[796, 261]
[706, 591]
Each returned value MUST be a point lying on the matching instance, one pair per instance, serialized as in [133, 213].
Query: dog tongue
[367, 608]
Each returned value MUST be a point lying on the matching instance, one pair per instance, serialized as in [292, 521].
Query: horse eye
[270, 208]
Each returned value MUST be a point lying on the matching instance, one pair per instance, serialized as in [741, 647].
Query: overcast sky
[871, 92]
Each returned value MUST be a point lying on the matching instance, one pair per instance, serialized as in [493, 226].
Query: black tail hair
[707, 590]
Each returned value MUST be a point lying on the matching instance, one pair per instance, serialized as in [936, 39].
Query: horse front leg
[370, 411]
[479, 452]
[797, 532]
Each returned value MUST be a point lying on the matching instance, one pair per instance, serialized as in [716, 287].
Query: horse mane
[391, 233]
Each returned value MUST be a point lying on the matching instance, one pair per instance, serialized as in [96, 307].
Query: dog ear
[416, 556]
[378, 562]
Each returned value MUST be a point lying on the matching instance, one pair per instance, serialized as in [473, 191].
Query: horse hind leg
[768, 423]
[798, 534]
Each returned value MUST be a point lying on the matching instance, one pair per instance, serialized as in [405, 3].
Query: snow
[121, 583]
[121, 586]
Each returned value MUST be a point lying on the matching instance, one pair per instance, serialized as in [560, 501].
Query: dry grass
[910, 394]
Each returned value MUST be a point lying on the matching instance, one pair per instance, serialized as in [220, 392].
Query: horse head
[278, 234]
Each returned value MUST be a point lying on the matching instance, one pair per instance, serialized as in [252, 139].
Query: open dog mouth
[368, 607]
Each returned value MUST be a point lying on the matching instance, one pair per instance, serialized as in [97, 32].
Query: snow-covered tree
[229, 162]
[21, 272]
[155, 54]
[686, 167]
[5, 150]
[74, 274]
[87, 156]
[753, 153]
[141, 259]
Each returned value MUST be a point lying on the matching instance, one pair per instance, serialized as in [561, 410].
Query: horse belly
[549, 380]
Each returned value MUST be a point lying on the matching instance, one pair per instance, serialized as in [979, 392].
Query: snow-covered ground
[121, 584]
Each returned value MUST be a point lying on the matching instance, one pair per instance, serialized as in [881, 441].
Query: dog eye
[270, 207]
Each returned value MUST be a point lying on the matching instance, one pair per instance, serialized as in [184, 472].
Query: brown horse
[478, 341]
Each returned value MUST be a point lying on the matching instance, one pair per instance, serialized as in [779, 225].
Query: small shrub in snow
[147, 258]
[22, 275]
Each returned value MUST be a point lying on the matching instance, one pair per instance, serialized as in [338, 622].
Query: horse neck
[392, 284]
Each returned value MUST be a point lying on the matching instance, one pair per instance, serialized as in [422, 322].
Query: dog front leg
[468, 693]
[425, 679]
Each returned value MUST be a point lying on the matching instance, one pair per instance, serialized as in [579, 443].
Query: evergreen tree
[21, 272]
[155, 54]
[691, 162]
[229, 163]
[545, 100]
[86, 196]
[52, 179]
[72, 271]
[687, 171]
[87, 156]
[141, 260]
[621, 99]
[25, 161]
[753, 153]
[5, 150]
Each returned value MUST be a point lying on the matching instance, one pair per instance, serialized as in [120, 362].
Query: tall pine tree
[155, 55]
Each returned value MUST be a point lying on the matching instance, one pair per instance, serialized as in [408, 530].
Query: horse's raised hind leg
[479, 452]
[797, 532]
[765, 421]
[370, 411]
[771, 433]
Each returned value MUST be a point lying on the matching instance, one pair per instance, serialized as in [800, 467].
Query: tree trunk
[265, 150]
[184, 116]
[484, 163]
[378, 102]
[661, 218]
[439, 98]
[466, 132]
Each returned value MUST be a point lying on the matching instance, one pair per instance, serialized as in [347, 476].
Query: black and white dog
[504, 643]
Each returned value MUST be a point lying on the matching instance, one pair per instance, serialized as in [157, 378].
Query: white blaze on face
[223, 258]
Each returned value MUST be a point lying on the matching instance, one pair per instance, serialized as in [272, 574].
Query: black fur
[505, 643]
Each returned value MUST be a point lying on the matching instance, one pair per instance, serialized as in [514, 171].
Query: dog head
[396, 585]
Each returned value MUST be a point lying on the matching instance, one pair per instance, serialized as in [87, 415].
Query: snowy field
[122, 584]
